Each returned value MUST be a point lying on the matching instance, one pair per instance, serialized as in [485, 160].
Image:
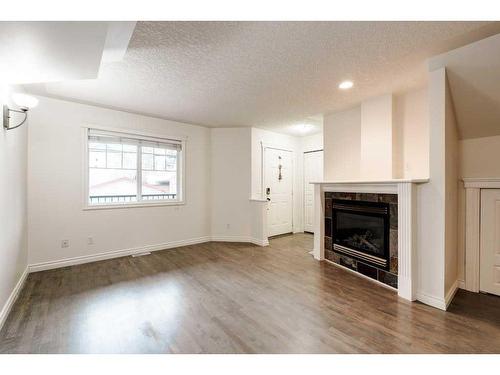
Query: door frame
[473, 188]
[304, 183]
[264, 146]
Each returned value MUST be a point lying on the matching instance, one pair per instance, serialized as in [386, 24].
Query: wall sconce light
[24, 102]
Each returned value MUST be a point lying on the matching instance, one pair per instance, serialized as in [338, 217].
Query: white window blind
[106, 137]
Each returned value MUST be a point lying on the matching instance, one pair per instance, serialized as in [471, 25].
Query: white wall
[231, 217]
[311, 142]
[223, 171]
[13, 206]
[342, 145]
[376, 160]
[236, 182]
[55, 185]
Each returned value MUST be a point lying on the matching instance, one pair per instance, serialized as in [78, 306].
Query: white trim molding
[407, 261]
[255, 241]
[406, 191]
[472, 235]
[482, 182]
[440, 303]
[451, 293]
[433, 301]
[12, 298]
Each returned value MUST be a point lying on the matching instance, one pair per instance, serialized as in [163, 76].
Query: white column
[407, 260]
[319, 223]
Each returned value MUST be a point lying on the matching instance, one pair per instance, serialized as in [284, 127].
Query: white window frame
[181, 170]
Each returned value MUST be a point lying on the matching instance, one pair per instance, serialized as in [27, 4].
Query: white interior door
[489, 257]
[313, 171]
[278, 188]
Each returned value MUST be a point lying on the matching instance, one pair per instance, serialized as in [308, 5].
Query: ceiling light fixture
[345, 85]
[303, 128]
[24, 102]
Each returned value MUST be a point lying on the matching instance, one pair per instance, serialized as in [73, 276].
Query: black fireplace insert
[361, 230]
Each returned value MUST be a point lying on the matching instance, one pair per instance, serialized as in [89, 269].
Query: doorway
[313, 172]
[278, 189]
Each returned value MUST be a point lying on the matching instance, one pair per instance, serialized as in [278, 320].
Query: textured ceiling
[473, 74]
[264, 74]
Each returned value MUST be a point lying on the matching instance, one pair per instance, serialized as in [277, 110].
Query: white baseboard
[438, 303]
[451, 293]
[12, 298]
[255, 241]
[113, 254]
[43, 266]
[260, 242]
[461, 284]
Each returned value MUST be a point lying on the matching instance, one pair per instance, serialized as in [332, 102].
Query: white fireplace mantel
[406, 191]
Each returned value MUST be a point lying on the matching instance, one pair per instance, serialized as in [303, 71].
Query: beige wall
[480, 157]
[13, 207]
[342, 145]
[411, 117]
[388, 131]
[376, 160]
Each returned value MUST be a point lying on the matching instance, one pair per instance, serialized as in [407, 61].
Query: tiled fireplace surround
[401, 196]
[388, 277]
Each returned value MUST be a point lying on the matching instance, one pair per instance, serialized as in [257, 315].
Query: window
[126, 169]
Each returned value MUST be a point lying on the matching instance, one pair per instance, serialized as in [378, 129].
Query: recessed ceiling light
[303, 128]
[344, 85]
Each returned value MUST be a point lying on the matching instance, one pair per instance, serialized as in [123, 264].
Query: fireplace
[361, 233]
[361, 230]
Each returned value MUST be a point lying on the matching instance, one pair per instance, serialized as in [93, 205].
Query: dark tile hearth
[388, 278]
[384, 277]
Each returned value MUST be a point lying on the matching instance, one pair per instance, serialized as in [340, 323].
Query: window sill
[131, 205]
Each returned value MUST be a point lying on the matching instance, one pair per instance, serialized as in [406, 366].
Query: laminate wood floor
[236, 298]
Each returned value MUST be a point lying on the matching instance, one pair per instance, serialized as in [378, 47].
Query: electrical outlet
[90, 241]
[65, 243]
